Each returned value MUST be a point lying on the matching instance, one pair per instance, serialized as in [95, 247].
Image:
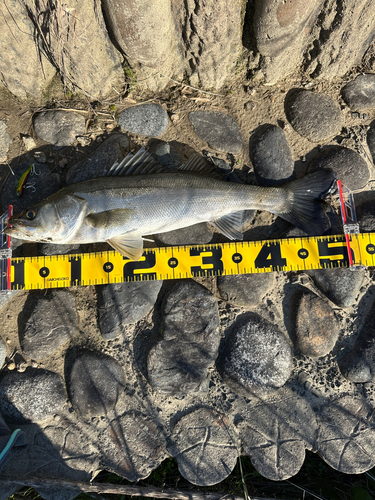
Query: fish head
[54, 220]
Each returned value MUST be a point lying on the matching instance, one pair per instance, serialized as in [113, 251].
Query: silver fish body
[121, 210]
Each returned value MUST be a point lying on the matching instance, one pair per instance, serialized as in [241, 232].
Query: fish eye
[30, 214]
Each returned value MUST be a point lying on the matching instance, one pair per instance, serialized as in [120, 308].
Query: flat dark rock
[48, 320]
[124, 303]
[178, 364]
[59, 127]
[271, 156]
[204, 444]
[31, 396]
[132, 446]
[365, 211]
[275, 436]
[42, 184]
[245, 290]
[197, 234]
[256, 359]
[316, 326]
[371, 140]
[341, 285]
[346, 438]
[94, 383]
[313, 115]
[146, 119]
[219, 130]
[359, 94]
[349, 166]
[111, 150]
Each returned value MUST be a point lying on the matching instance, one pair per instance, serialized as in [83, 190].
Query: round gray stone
[204, 444]
[341, 285]
[271, 156]
[43, 183]
[371, 140]
[317, 328]
[245, 290]
[349, 166]
[146, 119]
[5, 142]
[219, 130]
[111, 150]
[48, 320]
[275, 436]
[3, 352]
[346, 438]
[94, 384]
[178, 364]
[132, 446]
[314, 116]
[198, 234]
[32, 395]
[59, 127]
[257, 358]
[359, 94]
[355, 368]
[124, 303]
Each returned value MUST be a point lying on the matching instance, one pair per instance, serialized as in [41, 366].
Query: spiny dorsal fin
[139, 163]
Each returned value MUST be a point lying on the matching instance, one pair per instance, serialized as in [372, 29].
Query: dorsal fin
[199, 165]
[139, 163]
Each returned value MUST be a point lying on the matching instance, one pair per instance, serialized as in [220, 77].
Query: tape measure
[351, 249]
[97, 268]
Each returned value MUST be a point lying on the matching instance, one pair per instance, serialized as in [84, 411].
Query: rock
[60, 451]
[271, 156]
[5, 142]
[204, 445]
[365, 211]
[111, 150]
[95, 382]
[42, 184]
[49, 320]
[132, 446]
[178, 364]
[28, 142]
[124, 303]
[346, 435]
[275, 435]
[198, 234]
[145, 119]
[342, 36]
[257, 358]
[59, 127]
[212, 40]
[359, 94]
[371, 140]
[25, 70]
[166, 155]
[6, 297]
[245, 290]
[313, 115]
[3, 352]
[57, 249]
[316, 327]
[350, 167]
[219, 130]
[80, 47]
[146, 33]
[283, 31]
[340, 285]
[31, 396]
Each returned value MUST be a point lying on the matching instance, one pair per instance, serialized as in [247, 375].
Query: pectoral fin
[129, 244]
[110, 218]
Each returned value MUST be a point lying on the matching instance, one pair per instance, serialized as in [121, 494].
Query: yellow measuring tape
[290, 254]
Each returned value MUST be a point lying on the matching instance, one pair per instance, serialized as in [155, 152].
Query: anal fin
[128, 244]
[230, 225]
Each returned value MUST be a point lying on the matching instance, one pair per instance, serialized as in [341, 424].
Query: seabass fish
[123, 209]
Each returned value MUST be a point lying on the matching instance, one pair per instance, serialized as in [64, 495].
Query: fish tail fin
[305, 194]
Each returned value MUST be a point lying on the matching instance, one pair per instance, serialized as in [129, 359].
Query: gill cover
[70, 212]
